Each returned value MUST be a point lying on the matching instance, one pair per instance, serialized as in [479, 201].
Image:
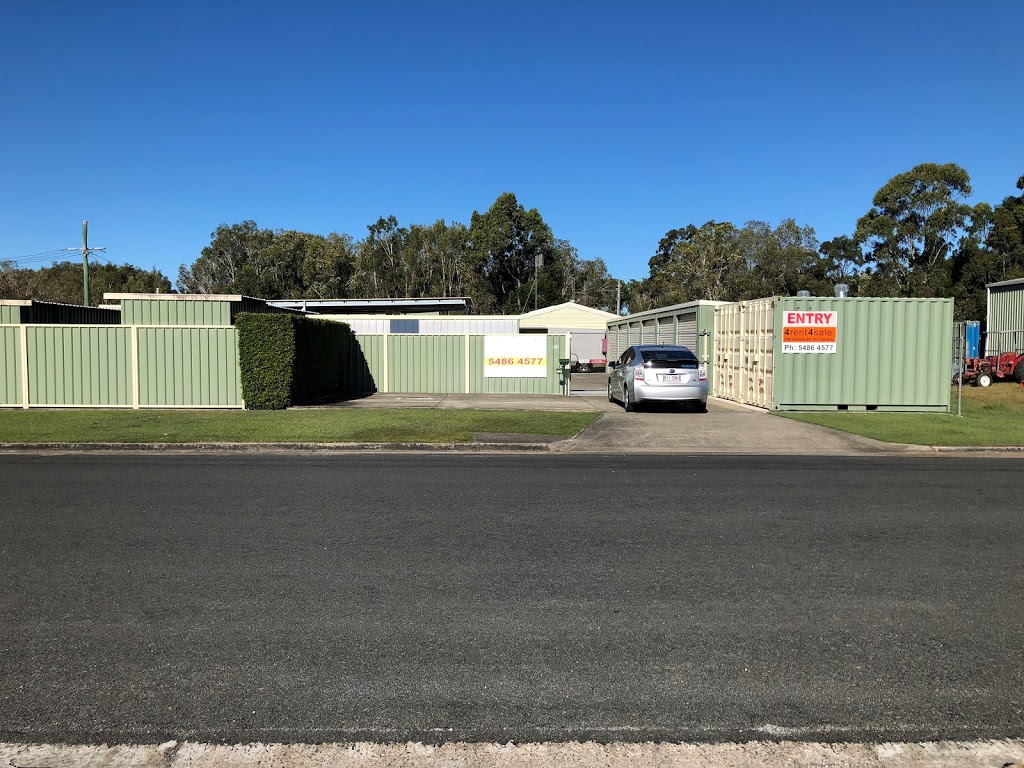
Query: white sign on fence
[516, 357]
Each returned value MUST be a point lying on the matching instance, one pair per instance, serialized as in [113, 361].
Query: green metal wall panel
[10, 314]
[890, 354]
[175, 312]
[706, 344]
[426, 363]
[79, 365]
[550, 385]
[10, 366]
[436, 364]
[189, 367]
[364, 373]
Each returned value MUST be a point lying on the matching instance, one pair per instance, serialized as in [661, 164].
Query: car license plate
[671, 378]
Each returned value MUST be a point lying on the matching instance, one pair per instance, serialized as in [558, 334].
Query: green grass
[382, 425]
[992, 416]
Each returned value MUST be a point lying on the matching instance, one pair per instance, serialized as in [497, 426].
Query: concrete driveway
[725, 428]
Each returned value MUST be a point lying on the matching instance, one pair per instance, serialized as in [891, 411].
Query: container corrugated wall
[1005, 314]
[891, 354]
[175, 312]
[189, 367]
[10, 366]
[79, 366]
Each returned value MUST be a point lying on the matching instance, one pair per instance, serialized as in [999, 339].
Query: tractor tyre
[1018, 372]
[983, 380]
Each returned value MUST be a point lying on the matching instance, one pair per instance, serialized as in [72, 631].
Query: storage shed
[586, 326]
[691, 324]
[165, 309]
[866, 354]
[1005, 320]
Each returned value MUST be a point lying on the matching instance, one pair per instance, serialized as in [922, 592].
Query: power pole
[85, 261]
[618, 297]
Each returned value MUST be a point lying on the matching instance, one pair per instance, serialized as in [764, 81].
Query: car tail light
[702, 374]
[638, 375]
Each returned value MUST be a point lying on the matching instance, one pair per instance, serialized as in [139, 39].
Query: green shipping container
[889, 354]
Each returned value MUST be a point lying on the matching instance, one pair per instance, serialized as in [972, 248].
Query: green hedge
[287, 359]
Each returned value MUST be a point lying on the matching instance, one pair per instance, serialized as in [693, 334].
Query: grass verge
[991, 416]
[383, 425]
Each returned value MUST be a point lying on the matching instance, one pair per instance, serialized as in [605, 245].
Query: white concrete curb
[977, 754]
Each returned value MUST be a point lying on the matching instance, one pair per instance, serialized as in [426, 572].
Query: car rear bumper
[642, 392]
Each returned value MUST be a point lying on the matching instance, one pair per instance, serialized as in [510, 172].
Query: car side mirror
[612, 366]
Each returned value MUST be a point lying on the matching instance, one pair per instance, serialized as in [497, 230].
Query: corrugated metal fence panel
[10, 314]
[175, 312]
[1005, 313]
[556, 348]
[10, 366]
[422, 363]
[365, 370]
[189, 367]
[76, 365]
[890, 353]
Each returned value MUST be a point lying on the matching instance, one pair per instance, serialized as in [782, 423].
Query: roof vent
[842, 290]
[803, 294]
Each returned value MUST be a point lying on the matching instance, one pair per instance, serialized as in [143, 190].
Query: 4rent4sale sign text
[809, 332]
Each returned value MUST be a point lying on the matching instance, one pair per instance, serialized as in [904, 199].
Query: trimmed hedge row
[287, 359]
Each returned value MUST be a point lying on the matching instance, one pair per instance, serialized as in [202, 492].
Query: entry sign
[515, 356]
[812, 333]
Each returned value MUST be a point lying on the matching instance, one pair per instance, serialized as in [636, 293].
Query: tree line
[919, 238]
[506, 260]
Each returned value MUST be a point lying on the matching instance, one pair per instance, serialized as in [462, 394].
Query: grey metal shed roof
[1018, 281]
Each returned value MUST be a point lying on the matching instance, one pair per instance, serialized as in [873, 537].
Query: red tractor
[982, 371]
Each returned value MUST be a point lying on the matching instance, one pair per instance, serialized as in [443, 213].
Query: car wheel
[627, 403]
[983, 380]
[611, 397]
[700, 407]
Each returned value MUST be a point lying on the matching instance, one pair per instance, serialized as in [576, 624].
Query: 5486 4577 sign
[809, 333]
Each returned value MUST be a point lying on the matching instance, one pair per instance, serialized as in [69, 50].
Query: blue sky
[618, 121]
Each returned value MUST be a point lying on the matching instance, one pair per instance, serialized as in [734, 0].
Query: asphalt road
[499, 598]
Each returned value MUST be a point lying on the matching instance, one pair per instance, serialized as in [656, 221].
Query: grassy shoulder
[991, 416]
[383, 425]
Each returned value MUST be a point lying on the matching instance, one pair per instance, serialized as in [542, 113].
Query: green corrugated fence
[67, 366]
[444, 364]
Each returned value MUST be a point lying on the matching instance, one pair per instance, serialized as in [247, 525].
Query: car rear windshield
[669, 358]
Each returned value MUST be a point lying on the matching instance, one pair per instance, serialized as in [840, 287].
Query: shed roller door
[650, 330]
[688, 332]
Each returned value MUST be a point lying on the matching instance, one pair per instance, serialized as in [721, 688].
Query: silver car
[648, 372]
